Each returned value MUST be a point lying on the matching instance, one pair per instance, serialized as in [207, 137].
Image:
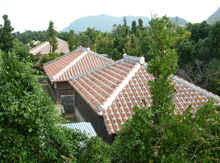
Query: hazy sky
[35, 14]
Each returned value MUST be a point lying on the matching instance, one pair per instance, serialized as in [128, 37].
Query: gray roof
[83, 126]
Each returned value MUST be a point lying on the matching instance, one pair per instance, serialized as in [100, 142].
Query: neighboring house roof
[83, 127]
[112, 91]
[75, 63]
[44, 48]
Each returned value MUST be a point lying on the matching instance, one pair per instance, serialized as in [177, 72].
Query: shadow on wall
[67, 101]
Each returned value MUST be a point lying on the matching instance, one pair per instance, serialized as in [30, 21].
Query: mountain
[215, 14]
[105, 22]
[181, 21]
[211, 21]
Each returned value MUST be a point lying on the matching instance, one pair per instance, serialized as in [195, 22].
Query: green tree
[198, 31]
[127, 48]
[182, 35]
[134, 27]
[124, 21]
[22, 52]
[140, 23]
[47, 58]
[161, 66]
[184, 52]
[28, 36]
[115, 55]
[101, 43]
[125, 26]
[6, 36]
[72, 41]
[214, 85]
[95, 151]
[64, 36]
[51, 34]
[214, 36]
[202, 50]
[145, 48]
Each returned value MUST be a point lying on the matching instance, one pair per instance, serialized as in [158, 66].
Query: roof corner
[133, 59]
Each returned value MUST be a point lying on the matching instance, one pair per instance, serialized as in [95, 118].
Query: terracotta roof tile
[74, 64]
[109, 80]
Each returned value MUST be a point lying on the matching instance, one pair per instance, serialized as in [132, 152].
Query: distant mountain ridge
[215, 14]
[214, 17]
[105, 22]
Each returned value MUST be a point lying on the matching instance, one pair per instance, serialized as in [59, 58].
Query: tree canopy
[6, 37]
[51, 34]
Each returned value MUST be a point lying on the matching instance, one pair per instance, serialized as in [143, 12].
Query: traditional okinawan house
[45, 47]
[106, 96]
[73, 64]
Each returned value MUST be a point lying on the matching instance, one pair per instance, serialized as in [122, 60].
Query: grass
[47, 90]
[69, 118]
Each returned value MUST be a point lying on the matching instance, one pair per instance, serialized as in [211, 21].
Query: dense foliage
[27, 125]
[179, 138]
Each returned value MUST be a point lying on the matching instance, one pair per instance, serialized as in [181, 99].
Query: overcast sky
[35, 14]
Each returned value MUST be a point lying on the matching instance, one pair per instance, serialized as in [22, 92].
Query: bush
[27, 123]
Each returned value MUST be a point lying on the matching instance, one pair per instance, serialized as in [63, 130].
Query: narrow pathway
[58, 108]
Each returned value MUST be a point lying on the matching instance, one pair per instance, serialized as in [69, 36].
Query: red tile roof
[44, 48]
[112, 91]
[75, 63]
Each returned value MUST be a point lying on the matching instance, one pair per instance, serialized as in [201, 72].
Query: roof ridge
[36, 48]
[69, 65]
[119, 88]
[197, 88]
